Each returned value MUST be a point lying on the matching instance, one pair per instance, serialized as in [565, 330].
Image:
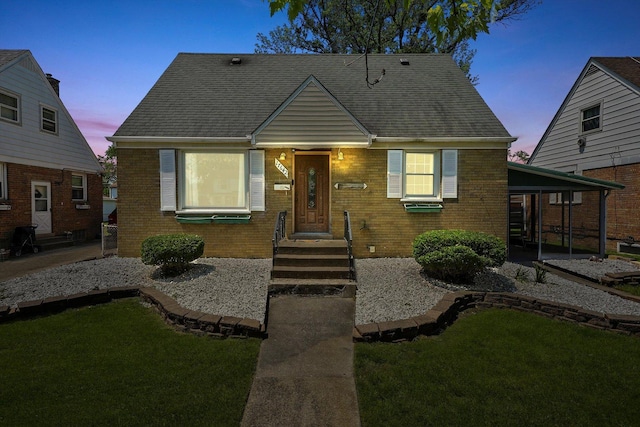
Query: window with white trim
[49, 122]
[78, 186]
[591, 118]
[3, 181]
[563, 198]
[213, 181]
[9, 106]
[422, 175]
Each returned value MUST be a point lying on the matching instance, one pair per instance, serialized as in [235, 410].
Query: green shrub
[454, 264]
[172, 252]
[483, 244]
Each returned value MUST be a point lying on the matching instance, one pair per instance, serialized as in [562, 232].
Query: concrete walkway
[32, 263]
[305, 368]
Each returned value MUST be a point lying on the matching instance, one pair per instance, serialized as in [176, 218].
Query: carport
[532, 182]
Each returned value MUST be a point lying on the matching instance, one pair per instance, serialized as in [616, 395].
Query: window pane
[420, 185]
[76, 180]
[214, 180]
[48, 114]
[77, 194]
[591, 118]
[8, 113]
[419, 163]
[8, 100]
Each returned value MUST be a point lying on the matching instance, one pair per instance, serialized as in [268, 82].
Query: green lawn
[501, 367]
[119, 364]
[630, 289]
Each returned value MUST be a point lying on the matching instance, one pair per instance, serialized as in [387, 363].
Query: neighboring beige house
[224, 142]
[596, 134]
[49, 176]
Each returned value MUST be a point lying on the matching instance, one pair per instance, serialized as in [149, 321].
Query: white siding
[619, 139]
[25, 143]
[312, 117]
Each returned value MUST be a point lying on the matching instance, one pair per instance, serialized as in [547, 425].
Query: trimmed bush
[483, 244]
[172, 252]
[453, 264]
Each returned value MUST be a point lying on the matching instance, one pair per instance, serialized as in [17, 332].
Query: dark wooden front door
[312, 194]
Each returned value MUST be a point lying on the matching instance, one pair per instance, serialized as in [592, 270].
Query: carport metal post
[570, 224]
[539, 225]
[603, 223]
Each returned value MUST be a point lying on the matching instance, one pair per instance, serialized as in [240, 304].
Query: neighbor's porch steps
[312, 267]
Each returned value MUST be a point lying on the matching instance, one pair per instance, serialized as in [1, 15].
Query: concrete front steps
[312, 267]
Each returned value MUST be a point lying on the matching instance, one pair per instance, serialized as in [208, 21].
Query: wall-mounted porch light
[283, 156]
[340, 154]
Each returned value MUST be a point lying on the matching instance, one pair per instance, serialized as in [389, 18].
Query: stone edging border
[445, 312]
[173, 313]
[433, 322]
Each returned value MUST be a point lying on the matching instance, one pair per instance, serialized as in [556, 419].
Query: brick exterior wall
[64, 215]
[481, 205]
[622, 211]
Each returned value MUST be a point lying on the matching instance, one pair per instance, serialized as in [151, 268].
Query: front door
[41, 206]
[312, 193]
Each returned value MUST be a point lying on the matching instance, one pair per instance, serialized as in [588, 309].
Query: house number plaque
[282, 168]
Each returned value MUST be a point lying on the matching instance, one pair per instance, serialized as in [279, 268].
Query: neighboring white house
[49, 176]
[596, 133]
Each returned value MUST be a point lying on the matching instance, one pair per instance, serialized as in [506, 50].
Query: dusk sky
[108, 54]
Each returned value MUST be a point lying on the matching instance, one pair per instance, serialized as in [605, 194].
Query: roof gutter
[178, 139]
[440, 140]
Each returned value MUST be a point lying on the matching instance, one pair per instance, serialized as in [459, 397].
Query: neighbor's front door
[41, 206]
[312, 193]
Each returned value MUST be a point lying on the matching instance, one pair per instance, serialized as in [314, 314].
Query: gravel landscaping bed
[388, 288]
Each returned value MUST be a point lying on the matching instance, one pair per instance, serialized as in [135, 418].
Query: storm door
[41, 206]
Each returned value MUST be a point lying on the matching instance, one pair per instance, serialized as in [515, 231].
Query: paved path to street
[305, 368]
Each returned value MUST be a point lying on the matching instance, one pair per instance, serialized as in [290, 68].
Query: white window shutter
[449, 174]
[167, 180]
[256, 180]
[394, 174]
[553, 197]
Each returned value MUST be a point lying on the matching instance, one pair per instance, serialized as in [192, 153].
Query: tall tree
[109, 163]
[387, 26]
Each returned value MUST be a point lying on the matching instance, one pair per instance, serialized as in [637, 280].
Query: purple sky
[108, 54]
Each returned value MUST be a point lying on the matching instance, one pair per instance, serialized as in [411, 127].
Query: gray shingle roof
[626, 67]
[202, 95]
[8, 55]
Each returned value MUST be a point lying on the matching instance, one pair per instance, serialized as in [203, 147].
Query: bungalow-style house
[49, 176]
[223, 143]
[596, 134]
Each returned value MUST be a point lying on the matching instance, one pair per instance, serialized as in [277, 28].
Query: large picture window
[214, 180]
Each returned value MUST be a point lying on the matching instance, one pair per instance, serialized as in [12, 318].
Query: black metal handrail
[349, 239]
[279, 232]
